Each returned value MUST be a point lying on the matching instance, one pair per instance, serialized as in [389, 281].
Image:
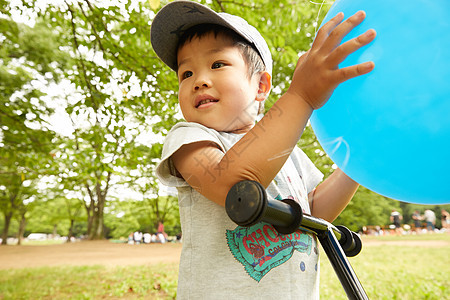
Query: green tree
[118, 97]
[367, 208]
[56, 215]
[128, 215]
[27, 55]
[115, 95]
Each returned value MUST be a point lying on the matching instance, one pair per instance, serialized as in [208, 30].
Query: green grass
[93, 282]
[394, 271]
[386, 272]
[410, 237]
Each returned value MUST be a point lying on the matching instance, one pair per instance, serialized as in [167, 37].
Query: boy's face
[214, 87]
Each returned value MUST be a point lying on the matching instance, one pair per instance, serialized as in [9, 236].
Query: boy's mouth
[204, 99]
[205, 102]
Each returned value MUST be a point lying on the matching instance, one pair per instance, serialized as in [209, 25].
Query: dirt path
[88, 253]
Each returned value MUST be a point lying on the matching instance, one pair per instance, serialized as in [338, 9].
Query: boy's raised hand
[317, 73]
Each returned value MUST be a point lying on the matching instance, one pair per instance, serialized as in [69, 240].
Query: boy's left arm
[330, 197]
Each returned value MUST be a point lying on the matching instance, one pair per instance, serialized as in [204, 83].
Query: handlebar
[247, 204]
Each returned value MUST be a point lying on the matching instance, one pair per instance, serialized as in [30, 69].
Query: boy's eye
[186, 74]
[217, 65]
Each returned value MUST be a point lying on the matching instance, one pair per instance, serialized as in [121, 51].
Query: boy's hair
[251, 56]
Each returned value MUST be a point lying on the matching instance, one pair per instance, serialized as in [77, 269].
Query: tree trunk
[96, 224]
[97, 228]
[90, 217]
[8, 217]
[96, 211]
[22, 225]
[97, 232]
[55, 230]
[70, 234]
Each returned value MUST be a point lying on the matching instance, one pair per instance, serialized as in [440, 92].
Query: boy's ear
[264, 86]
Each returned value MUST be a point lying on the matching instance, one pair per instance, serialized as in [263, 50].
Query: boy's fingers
[341, 30]
[347, 48]
[326, 29]
[353, 71]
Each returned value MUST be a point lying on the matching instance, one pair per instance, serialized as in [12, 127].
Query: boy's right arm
[261, 153]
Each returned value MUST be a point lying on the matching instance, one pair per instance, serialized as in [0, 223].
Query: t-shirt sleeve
[181, 134]
[310, 174]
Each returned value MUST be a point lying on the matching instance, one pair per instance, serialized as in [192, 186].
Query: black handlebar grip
[349, 241]
[346, 240]
[357, 248]
[247, 204]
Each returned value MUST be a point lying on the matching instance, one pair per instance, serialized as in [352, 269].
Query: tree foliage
[25, 142]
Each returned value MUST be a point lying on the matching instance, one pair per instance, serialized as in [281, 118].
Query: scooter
[247, 204]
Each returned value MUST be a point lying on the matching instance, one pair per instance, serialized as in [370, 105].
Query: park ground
[390, 267]
[107, 253]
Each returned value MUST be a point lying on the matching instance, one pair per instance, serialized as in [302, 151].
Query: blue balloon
[389, 130]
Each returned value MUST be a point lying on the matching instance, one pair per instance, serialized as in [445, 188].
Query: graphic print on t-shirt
[260, 248]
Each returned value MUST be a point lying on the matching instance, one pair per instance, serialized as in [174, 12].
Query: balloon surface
[389, 130]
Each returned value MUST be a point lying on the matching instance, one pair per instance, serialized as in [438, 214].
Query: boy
[224, 70]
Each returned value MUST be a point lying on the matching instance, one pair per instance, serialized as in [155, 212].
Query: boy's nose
[202, 82]
[198, 86]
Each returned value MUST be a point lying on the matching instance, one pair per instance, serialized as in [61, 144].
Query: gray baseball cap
[178, 16]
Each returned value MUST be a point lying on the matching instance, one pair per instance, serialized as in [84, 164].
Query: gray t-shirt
[221, 260]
